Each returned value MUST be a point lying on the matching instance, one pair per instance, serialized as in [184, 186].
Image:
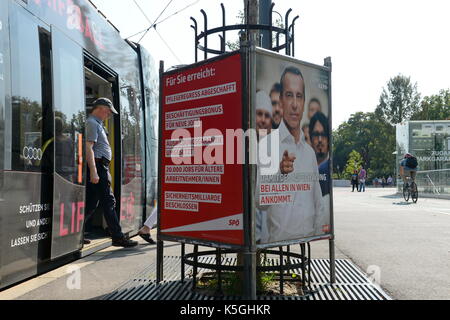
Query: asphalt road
[408, 243]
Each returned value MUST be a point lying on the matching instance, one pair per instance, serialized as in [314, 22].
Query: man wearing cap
[263, 114]
[99, 155]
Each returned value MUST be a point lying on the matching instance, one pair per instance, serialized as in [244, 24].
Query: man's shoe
[147, 238]
[86, 241]
[124, 242]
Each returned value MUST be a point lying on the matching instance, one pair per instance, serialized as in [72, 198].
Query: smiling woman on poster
[292, 196]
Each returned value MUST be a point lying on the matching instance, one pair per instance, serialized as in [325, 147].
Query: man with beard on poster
[301, 214]
[319, 132]
[277, 112]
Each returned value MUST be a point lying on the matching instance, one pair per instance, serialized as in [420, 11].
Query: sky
[369, 41]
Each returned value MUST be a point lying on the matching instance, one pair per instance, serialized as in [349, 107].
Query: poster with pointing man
[292, 111]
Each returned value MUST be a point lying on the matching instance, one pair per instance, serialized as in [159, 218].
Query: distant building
[429, 141]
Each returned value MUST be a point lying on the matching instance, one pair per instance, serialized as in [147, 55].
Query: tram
[56, 58]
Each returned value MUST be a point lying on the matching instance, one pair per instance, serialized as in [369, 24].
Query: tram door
[99, 83]
[69, 139]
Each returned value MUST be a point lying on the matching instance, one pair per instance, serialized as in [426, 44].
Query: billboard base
[351, 284]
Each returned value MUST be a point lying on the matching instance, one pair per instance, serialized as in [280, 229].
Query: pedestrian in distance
[355, 181]
[390, 181]
[362, 180]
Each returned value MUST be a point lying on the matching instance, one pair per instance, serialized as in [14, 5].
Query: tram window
[29, 120]
[70, 114]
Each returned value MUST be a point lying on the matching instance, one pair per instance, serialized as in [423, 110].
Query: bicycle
[410, 190]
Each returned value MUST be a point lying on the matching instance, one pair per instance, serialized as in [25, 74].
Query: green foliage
[354, 162]
[232, 283]
[372, 137]
[435, 107]
[399, 101]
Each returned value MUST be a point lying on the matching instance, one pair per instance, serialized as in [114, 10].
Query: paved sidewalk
[105, 271]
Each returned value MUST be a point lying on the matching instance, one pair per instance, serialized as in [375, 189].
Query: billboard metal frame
[249, 249]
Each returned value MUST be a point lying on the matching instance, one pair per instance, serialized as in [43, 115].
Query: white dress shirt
[301, 217]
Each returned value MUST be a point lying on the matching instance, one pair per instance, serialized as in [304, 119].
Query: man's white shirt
[300, 218]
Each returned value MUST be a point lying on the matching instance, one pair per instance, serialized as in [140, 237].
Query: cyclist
[408, 167]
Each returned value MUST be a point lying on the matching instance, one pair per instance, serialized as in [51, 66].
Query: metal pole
[249, 92]
[281, 271]
[195, 27]
[224, 34]
[293, 35]
[329, 64]
[183, 253]
[159, 261]
[194, 276]
[265, 17]
[159, 243]
[271, 24]
[303, 253]
[252, 16]
[219, 271]
[309, 266]
[205, 18]
[288, 38]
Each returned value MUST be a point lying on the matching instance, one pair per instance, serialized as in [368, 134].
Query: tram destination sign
[201, 161]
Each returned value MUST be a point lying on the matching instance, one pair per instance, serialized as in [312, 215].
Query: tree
[372, 137]
[399, 101]
[435, 107]
[354, 162]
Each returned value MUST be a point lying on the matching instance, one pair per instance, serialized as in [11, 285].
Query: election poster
[201, 194]
[292, 111]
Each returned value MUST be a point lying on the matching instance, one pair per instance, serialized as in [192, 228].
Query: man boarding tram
[99, 156]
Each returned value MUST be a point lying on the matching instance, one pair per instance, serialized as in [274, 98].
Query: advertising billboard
[201, 162]
[292, 118]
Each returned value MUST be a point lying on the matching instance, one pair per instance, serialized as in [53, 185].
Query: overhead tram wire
[167, 18]
[175, 13]
[168, 47]
[154, 23]
[142, 11]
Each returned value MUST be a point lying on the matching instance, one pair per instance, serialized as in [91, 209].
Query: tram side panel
[25, 195]
[26, 207]
[4, 65]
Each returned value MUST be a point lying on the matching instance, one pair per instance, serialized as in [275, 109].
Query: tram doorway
[101, 83]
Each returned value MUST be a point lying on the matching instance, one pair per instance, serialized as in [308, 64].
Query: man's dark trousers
[103, 194]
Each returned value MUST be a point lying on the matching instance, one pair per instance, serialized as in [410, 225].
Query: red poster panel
[202, 172]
